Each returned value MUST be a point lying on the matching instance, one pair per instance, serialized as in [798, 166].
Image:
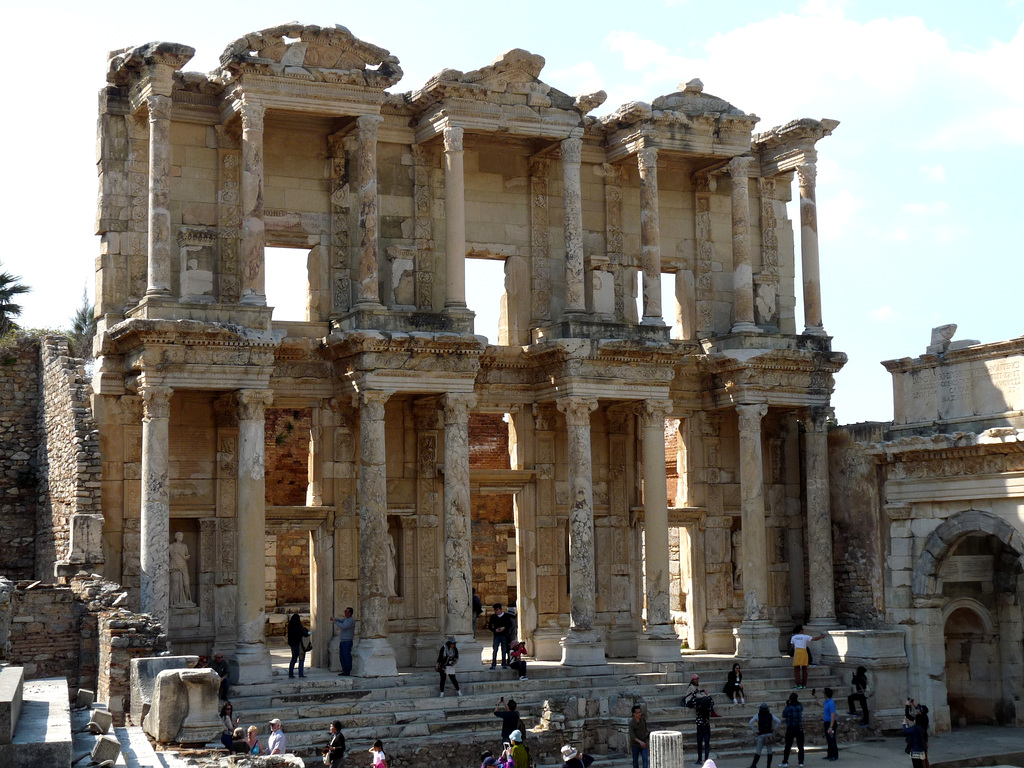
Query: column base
[253, 663]
[745, 328]
[374, 657]
[652, 320]
[582, 648]
[757, 640]
[470, 650]
[814, 330]
[658, 644]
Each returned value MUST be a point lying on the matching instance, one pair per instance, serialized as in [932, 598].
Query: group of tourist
[246, 741]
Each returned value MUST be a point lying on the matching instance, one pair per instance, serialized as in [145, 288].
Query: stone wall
[19, 445]
[286, 443]
[123, 636]
[46, 631]
[292, 568]
[492, 527]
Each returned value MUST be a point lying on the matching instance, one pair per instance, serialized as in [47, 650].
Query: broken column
[650, 236]
[742, 270]
[154, 576]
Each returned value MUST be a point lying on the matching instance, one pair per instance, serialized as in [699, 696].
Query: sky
[918, 187]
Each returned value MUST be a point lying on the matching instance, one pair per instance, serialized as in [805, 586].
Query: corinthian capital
[253, 403]
[817, 419]
[367, 125]
[159, 107]
[647, 160]
[577, 410]
[740, 167]
[156, 402]
[252, 116]
[457, 407]
[807, 173]
[371, 404]
[452, 138]
[653, 413]
[572, 150]
[750, 416]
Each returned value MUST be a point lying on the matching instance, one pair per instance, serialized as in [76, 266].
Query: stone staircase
[585, 706]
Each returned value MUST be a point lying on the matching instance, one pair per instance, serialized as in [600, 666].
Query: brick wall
[488, 441]
[287, 455]
[492, 526]
[46, 631]
[123, 636]
[292, 567]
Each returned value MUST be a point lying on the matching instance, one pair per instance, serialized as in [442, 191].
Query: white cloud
[882, 313]
[938, 208]
[582, 77]
[935, 173]
[837, 214]
[899, 235]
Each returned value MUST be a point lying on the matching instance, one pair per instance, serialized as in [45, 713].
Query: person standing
[638, 735]
[799, 642]
[703, 706]
[276, 744]
[915, 736]
[335, 749]
[828, 714]
[764, 724]
[346, 635]
[793, 715]
[860, 693]
[221, 668]
[510, 719]
[500, 624]
[520, 757]
[296, 634]
[447, 658]
[377, 756]
[734, 685]
[252, 740]
[478, 610]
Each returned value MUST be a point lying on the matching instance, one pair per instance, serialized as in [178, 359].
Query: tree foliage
[10, 288]
[83, 328]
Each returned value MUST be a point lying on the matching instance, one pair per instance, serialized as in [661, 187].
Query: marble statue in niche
[181, 584]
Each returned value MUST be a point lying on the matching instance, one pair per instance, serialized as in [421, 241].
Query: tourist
[638, 735]
[690, 694]
[377, 757]
[447, 658]
[793, 715]
[221, 668]
[860, 693]
[799, 642]
[346, 635]
[921, 718]
[915, 736]
[828, 714]
[487, 759]
[238, 745]
[510, 719]
[276, 744]
[296, 637]
[518, 663]
[703, 709]
[252, 740]
[733, 686]
[764, 724]
[228, 723]
[478, 610]
[335, 749]
[500, 624]
[573, 758]
[517, 752]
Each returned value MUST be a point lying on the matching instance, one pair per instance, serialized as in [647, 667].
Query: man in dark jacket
[500, 624]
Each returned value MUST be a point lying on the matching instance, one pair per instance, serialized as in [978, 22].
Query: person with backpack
[764, 724]
[793, 715]
[703, 708]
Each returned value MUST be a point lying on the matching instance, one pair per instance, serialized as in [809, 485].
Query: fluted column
[650, 236]
[374, 656]
[158, 262]
[809, 266]
[572, 205]
[583, 645]
[454, 219]
[819, 518]
[666, 749]
[659, 642]
[742, 274]
[458, 540]
[367, 282]
[254, 236]
[251, 530]
[154, 576]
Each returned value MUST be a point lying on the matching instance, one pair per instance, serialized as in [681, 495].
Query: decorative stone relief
[704, 186]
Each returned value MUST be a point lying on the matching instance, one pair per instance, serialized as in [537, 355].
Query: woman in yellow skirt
[799, 642]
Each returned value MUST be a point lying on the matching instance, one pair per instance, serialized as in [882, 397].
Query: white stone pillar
[650, 236]
[809, 266]
[819, 519]
[572, 205]
[154, 576]
[666, 749]
[367, 281]
[742, 270]
[659, 642]
[250, 601]
[254, 236]
[159, 241]
[583, 645]
[374, 656]
[454, 219]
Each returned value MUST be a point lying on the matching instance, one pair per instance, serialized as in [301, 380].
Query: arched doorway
[973, 668]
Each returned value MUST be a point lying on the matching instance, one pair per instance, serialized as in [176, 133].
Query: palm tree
[10, 288]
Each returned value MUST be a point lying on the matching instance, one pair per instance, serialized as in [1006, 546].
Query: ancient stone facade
[294, 141]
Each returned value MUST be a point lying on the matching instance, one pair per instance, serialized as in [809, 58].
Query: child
[377, 757]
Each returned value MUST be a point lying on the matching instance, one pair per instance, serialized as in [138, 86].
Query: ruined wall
[20, 444]
[46, 636]
[286, 441]
[488, 441]
[857, 536]
[292, 567]
[492, 527]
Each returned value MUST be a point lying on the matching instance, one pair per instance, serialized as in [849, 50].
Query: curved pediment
[690, 99]
[319, 53]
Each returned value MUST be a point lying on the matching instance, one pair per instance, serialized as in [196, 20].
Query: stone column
[666, 749]
[742, 271]
[583, 645]
[367, 282]
[572, 205]
[374, 656]
[454, 219]
[819, 519]
[659, 642]
[650, 236]
[756, 636]
[159, 245]
[250, 601]
[807, 174]
[254, 236]
[154, 576]
[458, 538]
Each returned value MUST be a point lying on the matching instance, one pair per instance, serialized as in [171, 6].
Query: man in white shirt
[276, 743]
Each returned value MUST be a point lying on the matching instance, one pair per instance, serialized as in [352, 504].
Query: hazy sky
[917, 189]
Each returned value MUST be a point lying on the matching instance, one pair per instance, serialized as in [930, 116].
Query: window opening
[287, 283]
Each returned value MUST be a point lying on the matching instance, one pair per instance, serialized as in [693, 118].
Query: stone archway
[973, 666]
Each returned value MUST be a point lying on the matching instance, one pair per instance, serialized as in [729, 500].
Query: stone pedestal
[582, 648]
[757, 640]
[658, 644]
[374, 657]
[202, 723]
[666, 749]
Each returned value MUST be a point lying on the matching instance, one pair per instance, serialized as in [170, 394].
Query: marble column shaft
[367, 282]
[666, 749]
[454, 218]
[250, 603]
[373, 521]
[572, 206]
[754, 533]
[650, 235]
[159, 241]
[742, 275]
[809, 264]
[155, 536]
[254, 236]
[652, 420]
[582, 578]
[819, 517]
[458, 537]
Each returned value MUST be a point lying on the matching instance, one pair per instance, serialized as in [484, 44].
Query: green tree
[10, 288]
[83, 328]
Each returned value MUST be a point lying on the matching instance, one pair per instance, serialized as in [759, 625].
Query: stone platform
[42, 736]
